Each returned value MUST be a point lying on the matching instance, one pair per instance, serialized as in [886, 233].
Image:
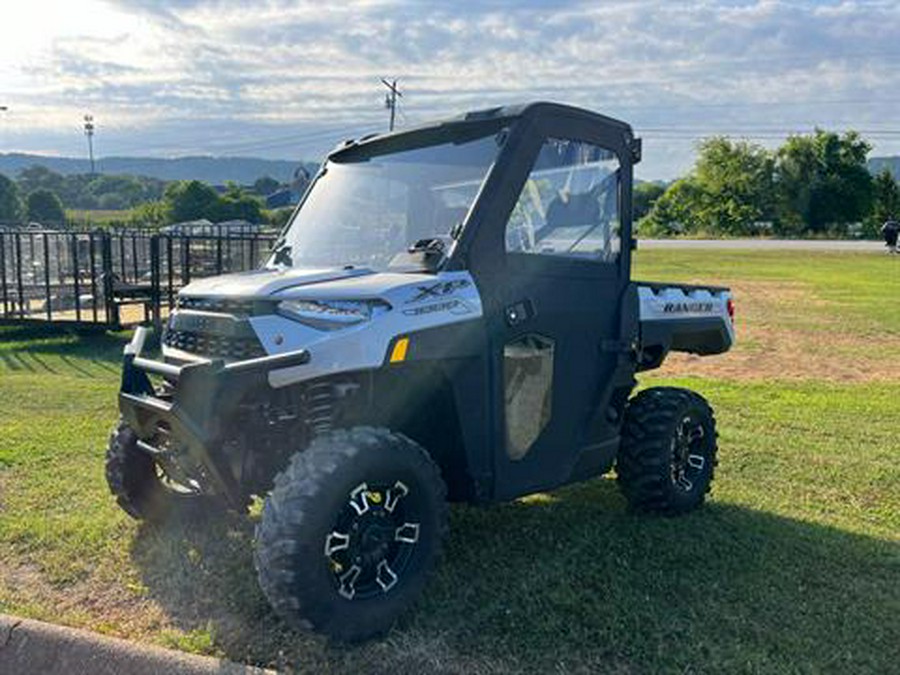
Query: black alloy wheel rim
[689, 455]
[169, 476]
[373, 540]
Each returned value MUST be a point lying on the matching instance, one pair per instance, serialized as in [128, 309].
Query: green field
[98, 217]
[793, 567]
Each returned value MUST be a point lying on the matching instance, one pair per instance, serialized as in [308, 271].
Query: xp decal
[438, 290]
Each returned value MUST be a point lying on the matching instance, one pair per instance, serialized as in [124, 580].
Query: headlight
[331, 314]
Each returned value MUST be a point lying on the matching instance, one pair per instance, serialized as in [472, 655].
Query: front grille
[215, 346]
[226, 305]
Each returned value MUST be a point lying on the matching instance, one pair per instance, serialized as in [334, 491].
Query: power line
[390, 100]
[759, 104]
[211, 145]
[799, 129]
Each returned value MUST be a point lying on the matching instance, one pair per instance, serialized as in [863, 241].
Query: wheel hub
[373, 540]
[369, 543]
[688, 454]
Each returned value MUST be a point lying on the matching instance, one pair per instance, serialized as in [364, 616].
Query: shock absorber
[319, 408]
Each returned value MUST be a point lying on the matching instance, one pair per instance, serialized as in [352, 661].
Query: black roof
[536, 109]
[496, 114]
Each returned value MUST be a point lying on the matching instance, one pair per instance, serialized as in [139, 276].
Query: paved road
[766, 244]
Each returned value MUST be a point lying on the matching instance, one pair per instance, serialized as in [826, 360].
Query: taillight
[730, 306]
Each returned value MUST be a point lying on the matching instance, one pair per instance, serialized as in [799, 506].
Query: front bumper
[205, 395]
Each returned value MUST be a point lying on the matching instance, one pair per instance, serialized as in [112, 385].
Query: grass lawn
[793, 566]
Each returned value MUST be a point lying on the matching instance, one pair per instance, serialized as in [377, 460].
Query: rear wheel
[668, 451]
[350, 532]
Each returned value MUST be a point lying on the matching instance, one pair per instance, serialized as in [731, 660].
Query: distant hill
[877, 164]
[214, 170]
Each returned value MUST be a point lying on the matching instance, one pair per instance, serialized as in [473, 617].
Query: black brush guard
[205, 394]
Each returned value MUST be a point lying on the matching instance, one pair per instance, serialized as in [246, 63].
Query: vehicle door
[552, 297]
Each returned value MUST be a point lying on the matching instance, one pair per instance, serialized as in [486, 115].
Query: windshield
[364, 211]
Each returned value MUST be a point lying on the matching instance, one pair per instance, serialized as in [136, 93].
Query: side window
[569, 205]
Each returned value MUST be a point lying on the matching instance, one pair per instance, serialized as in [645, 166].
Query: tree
[237, 204]
[38, 177]
[190, 200]
[886, 193]
[643, 198]
[729, 191]
[115, 192]
[10, 202]
[279, 217]
[45, 207]
[822, 181]
[86, 191]
[735, 178]
[265, 186]
[149, 214]
[70, 189]
[675, 211]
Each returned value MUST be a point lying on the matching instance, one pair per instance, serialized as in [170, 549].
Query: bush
[10, 203]
[278, 217]
[43, 206]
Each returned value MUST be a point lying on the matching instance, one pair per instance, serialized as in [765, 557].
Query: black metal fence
[112, 278]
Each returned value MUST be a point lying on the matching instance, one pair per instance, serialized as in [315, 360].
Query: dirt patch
[94, 603]
[784, 331]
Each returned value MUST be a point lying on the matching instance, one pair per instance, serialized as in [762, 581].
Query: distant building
[187, 227]
[206, 228]
[282, 198]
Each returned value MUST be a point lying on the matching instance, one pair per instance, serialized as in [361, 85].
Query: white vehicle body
[411, 302]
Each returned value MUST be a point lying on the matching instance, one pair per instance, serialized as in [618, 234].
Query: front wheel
[350, 532]
[668, 451]
[140, 485]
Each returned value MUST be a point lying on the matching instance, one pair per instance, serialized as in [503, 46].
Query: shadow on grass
[58, 349]
[570, 582]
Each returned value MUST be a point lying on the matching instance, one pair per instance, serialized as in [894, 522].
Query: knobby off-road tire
[135, 482]
[668, 452]
[350, 532]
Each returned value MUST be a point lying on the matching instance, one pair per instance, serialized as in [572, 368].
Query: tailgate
[685, 318]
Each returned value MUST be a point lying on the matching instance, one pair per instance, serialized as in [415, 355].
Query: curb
[28, 647]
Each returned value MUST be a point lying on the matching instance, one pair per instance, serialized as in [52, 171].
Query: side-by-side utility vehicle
[448, 316]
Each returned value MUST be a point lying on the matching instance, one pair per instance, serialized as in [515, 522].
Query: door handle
[518, 312]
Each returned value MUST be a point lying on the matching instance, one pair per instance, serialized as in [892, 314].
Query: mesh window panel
[528, 380]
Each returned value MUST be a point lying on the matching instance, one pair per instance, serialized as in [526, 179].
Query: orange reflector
[398, 353]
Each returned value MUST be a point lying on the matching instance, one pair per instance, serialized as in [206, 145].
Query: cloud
[216, 73]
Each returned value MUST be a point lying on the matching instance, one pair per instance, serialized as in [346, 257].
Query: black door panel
[551, 298]
[576, 315]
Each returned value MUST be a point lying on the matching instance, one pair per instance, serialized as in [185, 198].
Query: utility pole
[89, 132]
[390, 100]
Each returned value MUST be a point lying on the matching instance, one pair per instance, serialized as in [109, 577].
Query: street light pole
[89, 132]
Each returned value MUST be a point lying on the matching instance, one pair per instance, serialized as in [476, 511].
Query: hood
[263, 282]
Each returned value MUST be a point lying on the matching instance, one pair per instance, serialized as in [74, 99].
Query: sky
[291, 79]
